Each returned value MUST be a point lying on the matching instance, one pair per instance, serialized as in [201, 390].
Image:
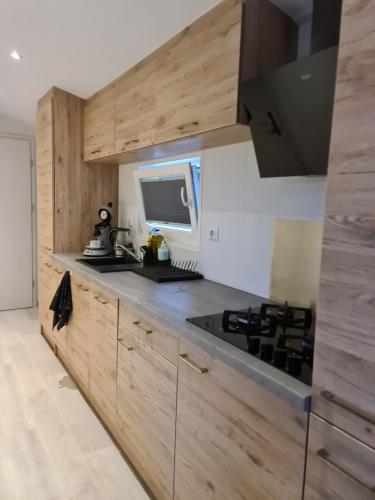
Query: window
[169, 197]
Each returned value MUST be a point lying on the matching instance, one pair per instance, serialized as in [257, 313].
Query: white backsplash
[244, 206]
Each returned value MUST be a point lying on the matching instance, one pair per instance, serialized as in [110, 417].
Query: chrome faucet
[129, 252]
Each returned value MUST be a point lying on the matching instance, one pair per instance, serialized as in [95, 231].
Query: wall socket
[213, 233]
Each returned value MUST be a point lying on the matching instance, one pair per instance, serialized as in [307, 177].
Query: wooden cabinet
[135, 108]
[198, 73]
[45, 192]
[152, 333]
[146, 409]
[78, 348]
[99, 124]
[344, 365]
[183, 96]
[234, 439]
[50, 275]
[69, 193]
[338, 466]
[103, 352]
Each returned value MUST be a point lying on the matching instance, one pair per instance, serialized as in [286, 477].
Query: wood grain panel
[197, 78]
[345, 350]
[152, 333]
[213, 138]
[68, 165]
[296, 258]
[44, 176]
[338, 466]
[146, 409]
[234, 439]
[181, 98]
[99, 187]
[135, 107]
[99, 124]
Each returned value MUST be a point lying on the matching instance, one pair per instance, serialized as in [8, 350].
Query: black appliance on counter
[288, 78]
[278, 335]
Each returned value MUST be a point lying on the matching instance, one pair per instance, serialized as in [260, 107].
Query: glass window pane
[162, 200]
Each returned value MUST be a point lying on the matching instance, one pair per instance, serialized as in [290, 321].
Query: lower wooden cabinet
[146, 410]
[339, 467]
[234, 439]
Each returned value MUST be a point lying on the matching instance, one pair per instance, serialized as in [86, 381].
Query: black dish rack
[170, 271]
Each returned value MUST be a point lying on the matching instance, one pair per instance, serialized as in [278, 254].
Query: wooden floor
[52, 446]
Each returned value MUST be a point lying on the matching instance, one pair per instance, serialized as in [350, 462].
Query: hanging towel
[62, 304]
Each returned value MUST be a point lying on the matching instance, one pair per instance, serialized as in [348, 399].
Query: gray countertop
[172, 303]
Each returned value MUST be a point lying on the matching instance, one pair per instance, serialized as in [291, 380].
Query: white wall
[244, 206]
[9, 125]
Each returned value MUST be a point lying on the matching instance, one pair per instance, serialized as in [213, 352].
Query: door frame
[31, 141]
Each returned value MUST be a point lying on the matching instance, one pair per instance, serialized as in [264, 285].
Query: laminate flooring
[52, 445]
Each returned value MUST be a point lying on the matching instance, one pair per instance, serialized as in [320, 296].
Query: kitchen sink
[110, 264]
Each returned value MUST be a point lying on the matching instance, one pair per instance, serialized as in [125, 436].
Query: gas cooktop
[278, 335]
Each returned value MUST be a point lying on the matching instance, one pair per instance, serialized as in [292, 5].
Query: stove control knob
[254, 345]
[294, 365]
[280, 358]
[266, 352]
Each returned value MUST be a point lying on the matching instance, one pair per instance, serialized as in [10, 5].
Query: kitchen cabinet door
[99, 124]
[103, 353]
[234, 439]
[146, 409]
[197, 77]
[338, 466]
[135, 107]
[344, 360]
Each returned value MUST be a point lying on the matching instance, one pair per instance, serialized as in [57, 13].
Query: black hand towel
[62, 304]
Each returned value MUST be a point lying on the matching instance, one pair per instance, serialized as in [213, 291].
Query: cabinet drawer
[152, 333]
[338, 465]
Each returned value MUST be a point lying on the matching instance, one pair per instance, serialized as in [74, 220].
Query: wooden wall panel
[345, 351]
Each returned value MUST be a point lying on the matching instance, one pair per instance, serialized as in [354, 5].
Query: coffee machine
[108, 241]
[101, 245]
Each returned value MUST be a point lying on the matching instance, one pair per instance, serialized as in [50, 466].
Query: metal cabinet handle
[329, 396]
[324, 455]
[125, 346]
[101, 301]
[192, 364]
[139, 325]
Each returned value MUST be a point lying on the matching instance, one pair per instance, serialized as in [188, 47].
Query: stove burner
[249, 323]
[289, 317]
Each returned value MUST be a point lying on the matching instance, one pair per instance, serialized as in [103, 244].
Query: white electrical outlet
[213, 233]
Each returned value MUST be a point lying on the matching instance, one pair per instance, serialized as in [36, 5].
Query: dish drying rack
[175, 270]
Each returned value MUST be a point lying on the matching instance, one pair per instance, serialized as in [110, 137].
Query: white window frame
[176, 235]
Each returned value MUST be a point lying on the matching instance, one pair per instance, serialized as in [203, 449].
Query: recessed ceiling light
[15, 55]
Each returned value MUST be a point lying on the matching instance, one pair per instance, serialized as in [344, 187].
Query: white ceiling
[80, 45]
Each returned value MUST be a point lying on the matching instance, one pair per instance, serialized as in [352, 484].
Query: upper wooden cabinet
[135, 108]
[99, 124]
[344, 365]
[197, 76]
[188, 87]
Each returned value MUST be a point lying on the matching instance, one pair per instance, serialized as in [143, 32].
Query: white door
[16, 247]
